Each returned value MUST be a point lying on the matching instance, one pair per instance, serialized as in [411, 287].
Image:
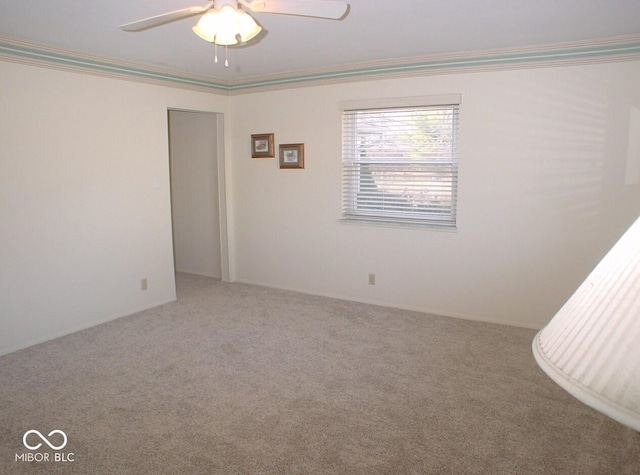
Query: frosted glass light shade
[591, 347]
[207, 27]
[247, 26]
[228, 26]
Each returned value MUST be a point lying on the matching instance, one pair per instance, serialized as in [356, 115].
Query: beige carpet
[237, 379]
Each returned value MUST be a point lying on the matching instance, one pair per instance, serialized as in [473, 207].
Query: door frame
[222, 189]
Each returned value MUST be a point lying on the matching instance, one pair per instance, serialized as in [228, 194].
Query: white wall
[194, 192]
[543, 155]
[82, 219]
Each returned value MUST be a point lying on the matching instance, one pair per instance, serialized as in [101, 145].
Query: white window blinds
[400, 164]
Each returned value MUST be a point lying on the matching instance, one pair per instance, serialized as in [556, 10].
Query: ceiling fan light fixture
[224, 22]
[225, 25]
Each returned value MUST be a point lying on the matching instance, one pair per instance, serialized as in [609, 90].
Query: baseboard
[69, 331]
[431, 311]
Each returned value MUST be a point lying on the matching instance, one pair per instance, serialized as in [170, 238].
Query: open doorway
[197, 193]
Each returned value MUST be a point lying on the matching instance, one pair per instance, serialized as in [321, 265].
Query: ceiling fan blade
[331, 9]
[163, 19]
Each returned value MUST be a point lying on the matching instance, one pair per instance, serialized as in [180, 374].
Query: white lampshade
[591, 347]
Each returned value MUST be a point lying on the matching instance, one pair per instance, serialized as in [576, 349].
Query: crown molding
[624, 48]
[45, 56]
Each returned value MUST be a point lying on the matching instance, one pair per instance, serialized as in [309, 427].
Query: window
[400, 163]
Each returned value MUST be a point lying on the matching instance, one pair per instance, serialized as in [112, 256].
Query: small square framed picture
[262, 146]
[292, 155]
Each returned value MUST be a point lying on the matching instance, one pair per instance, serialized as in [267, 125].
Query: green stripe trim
[102, 66]
[451, 63]
[611, 50]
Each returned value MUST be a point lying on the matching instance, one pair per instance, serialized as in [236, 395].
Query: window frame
[352, 212]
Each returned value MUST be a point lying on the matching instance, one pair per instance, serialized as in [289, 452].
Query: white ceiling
[374, 30]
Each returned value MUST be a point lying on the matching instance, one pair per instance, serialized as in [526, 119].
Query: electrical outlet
[143, 284]
[372, 279]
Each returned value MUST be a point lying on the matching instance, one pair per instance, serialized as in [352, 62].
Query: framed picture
[262, 146]
[292, 155]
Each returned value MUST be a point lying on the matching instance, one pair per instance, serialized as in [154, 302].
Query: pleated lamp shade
[591, 347]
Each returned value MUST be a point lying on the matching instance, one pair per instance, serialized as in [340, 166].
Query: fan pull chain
[215, 54]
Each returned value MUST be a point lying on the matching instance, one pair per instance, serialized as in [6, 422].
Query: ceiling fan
[224, 22]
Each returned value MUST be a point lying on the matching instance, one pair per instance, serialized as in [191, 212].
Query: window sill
[428, 226]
